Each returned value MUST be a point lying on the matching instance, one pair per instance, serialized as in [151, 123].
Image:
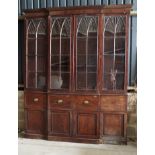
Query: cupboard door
[114, 53]
[35, 121]
[86, 124]
[59, 123]
[36, 53]
[113, 125]
[86, 52]
[60, 54]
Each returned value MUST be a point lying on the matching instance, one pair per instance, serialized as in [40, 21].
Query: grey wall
[32, 4]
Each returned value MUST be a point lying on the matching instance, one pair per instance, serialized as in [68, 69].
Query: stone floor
[43, 147]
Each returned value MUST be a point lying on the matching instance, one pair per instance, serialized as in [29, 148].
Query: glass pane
[114, 52]
[81, 44]
[56, 80]
[31, 80]
[86, 52]
[92, 44]
[108, 45]
[55, 63]
[65, 80]
[42, 47]
[41, 64]
[55, 45]
[81, 82]
[41, 80]
[91, 80]
[37, 52]
[60, 52]
[120, 45]
[31, 46]
[120, 63]
[108, 63]
[31, 63]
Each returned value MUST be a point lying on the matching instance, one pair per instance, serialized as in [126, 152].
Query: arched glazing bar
[86, 52]
[36, 32]
[60, 52]
[114, 52]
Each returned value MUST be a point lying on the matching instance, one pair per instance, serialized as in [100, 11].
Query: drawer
[59, 101]
[89, 103]
[113, 103]
[35, 100]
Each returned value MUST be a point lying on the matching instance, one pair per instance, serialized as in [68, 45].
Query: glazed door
[36, 53]
[114, 53]
[113, 127]
[86, 53]
[60, 53]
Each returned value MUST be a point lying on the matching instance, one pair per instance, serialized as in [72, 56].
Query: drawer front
[89, 103]
[113, 103]
[35, 100]
[60, 101]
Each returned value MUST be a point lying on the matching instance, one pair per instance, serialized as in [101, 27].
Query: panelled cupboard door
[59, 122]
[86, 124]
[36, 53]
[112, 124]
[35, 121]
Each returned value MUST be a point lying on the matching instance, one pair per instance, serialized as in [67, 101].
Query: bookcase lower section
[75, 118]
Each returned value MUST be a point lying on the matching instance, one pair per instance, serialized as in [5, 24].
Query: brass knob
[35, 99]
[86, 102]
[60, 101]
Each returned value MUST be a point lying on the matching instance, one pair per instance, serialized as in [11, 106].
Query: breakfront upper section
[77, 49]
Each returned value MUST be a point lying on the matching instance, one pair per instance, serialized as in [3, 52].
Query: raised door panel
[86, 125]
[35, 121]
[60, 123]
[113, 125]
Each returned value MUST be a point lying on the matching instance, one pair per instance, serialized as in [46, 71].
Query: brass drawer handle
[35, 99]
[86, 102]
[60, 101]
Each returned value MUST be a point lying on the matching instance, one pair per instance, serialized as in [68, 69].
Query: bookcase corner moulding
[76, 62]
